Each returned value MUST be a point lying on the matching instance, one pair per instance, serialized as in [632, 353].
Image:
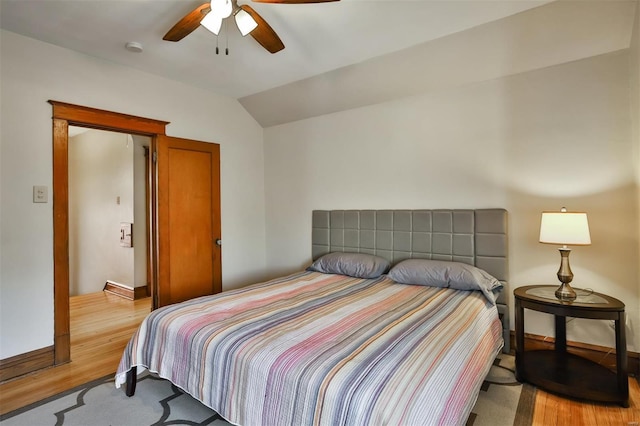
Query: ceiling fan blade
[293, 1]
[188, 24]
[263, 33]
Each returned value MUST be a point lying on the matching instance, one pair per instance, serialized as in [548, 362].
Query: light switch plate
[40, 194]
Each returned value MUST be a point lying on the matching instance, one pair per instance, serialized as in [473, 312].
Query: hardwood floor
[101, 326]
[102, 323]
[554, 410]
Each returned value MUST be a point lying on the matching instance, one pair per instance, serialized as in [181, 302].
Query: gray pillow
[440, 273]
[359, 265]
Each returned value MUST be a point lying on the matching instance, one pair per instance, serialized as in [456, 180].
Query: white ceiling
[320, 39]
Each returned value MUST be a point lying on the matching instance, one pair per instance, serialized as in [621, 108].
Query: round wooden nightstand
[562, 372]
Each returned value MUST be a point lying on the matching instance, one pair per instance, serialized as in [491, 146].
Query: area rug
[502, 401]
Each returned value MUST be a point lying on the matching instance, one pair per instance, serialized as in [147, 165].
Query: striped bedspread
[318, 349]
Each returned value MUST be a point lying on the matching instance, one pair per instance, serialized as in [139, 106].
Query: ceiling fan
[212, 13]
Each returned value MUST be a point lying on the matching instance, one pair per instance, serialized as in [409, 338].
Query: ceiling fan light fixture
[221, 8]
[245, 22]
[212, 22]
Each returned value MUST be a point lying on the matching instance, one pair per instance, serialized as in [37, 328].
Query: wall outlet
[40, 194]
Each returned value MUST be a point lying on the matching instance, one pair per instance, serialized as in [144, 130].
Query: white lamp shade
[212, 22]
[245, 22]
[566, 228]
[221, 8]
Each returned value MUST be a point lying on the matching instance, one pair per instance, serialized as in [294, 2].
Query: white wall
[34, 72]
[560, 136]
[140, 242]
[635, 111]
[100, 198]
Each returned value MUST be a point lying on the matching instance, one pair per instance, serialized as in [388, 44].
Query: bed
[356, 339]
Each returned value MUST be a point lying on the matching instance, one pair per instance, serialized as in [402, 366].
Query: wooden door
[188, 220]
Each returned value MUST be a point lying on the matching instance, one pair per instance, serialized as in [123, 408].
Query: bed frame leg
[131, 381]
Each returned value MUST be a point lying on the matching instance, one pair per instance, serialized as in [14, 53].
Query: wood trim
[600, 354]
[63, 115]
[153, 205]
[61, 336]
[141, 292]
[119, 290]
[25, 363]
[217, 220]
[147, 197]
[127, 292]
[107, 120]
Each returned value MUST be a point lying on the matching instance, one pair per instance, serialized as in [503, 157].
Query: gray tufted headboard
[477, 237]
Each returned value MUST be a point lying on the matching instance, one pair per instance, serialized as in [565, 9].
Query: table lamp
[565, 228]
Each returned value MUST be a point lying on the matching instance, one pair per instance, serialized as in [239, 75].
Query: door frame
[64, 115]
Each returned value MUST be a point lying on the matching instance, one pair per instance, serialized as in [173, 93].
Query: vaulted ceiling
[338, 55]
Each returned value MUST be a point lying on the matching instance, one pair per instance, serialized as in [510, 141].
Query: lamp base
[565, 293]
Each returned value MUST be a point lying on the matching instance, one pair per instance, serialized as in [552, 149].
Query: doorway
[167, 217]
[65, 115]
[108, 213]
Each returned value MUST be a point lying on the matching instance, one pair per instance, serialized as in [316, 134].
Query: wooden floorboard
[101, 325]
[552, 410]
